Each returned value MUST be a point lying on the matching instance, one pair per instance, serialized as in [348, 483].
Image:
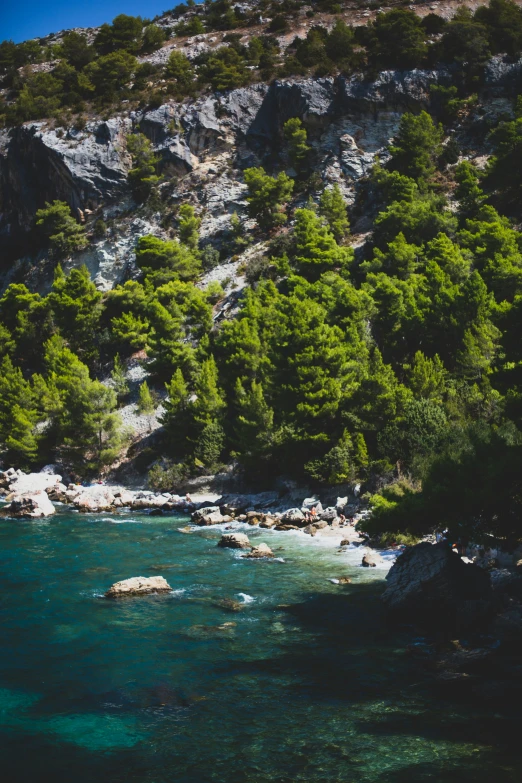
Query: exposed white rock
[138, 585]
[33, 482]
[29, 505]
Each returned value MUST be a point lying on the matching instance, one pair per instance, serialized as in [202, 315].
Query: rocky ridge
[204, 145]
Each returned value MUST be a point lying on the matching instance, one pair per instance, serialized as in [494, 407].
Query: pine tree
[298, 150]
[316, 250]
[142, 175]
[209, 403]
[267, 197]
[146, 406]
[60, 229]
[428, 377]
[416, 146]
[468, 193]
[333, 208]
[76, 306]
[119, 378]
[181, 70]
[21, 443]
[209, 445]
[176, 418]
[399, 260]
[189, 227]
[254, 430]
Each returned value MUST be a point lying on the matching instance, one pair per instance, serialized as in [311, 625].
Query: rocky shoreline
[34, 495]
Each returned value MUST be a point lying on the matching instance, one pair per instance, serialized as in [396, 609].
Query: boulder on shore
[29, 505]
[209, 515]
[94, 499]
[138, 585]
[235, 541]
[431, 583]
[261, 550]
[293, 516]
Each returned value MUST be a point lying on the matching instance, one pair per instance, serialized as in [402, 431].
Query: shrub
[63, 234]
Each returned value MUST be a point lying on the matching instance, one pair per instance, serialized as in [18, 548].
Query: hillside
[279, 240]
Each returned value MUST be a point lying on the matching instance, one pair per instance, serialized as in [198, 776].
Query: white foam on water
[247, 599]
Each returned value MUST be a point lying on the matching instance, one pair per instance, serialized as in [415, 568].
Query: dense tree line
[403, 362]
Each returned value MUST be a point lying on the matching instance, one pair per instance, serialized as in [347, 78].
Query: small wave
[179, 591]
[247, 599]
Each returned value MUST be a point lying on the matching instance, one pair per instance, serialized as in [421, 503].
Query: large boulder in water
[29, 505]
[235, 541]
[259, 551]
[431, 583]
[138, 585]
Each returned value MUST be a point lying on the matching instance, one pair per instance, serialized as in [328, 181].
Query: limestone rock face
[390, 89]
[29, 505]
[138, 585]
[235, 541]
[38, 165]
[431, 581]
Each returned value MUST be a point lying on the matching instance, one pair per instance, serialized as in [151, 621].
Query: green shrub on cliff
[267, 196]
[59, 229]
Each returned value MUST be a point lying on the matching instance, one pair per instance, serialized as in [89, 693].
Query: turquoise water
[307, 683]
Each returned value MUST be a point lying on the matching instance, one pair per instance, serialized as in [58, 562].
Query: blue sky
[35, 18]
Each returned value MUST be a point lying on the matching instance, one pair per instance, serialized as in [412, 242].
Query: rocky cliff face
[204, 146]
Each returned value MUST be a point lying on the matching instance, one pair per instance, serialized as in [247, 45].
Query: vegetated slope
[299, 236]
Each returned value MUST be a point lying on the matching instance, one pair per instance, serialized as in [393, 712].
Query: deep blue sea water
[310, 683]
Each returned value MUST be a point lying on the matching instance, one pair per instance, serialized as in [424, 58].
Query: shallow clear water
[308, 684]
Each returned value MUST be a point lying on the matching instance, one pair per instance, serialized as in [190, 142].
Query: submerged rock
[209, 631]
[138, 585]
[235, 541]
[229, 604]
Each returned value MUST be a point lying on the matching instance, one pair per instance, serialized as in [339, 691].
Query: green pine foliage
[297, 149]
[59, 229]
[142, 176]
[267, 197]
[333, 208]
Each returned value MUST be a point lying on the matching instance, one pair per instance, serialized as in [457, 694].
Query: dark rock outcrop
[38, 165]
[431, 584]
